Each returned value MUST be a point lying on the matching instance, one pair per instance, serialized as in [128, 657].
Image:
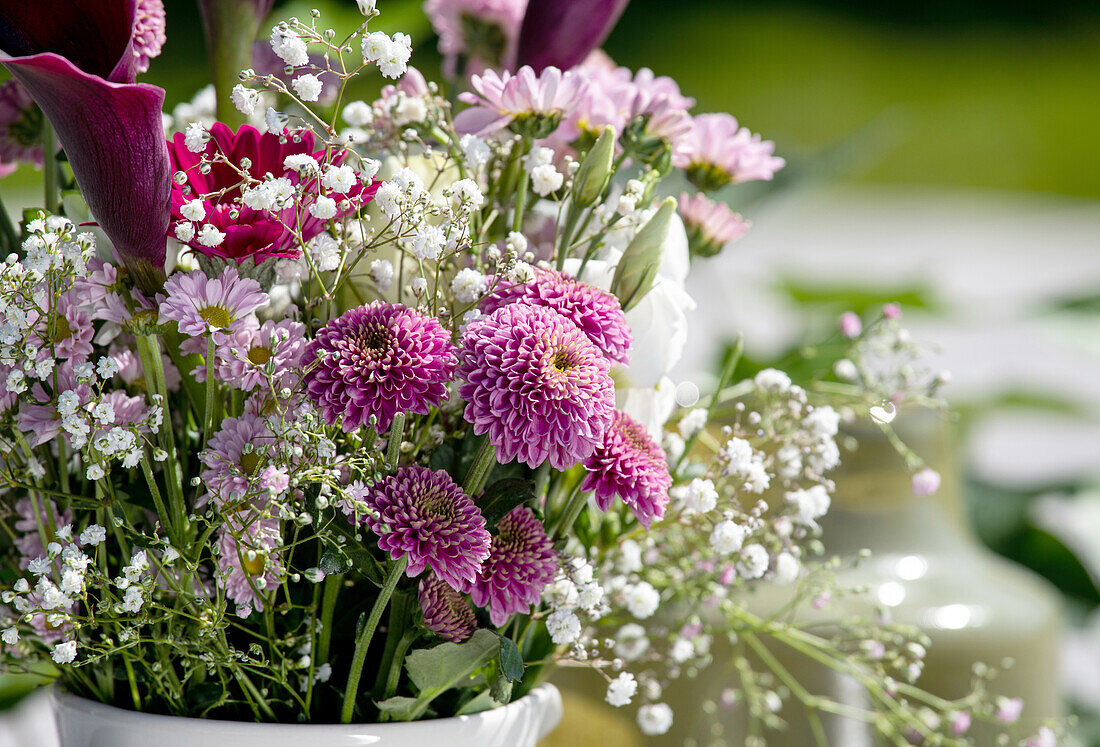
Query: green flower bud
[595, 172]
[637, 270]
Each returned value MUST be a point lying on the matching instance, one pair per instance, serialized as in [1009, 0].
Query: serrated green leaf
[503, 496]
[511, 660]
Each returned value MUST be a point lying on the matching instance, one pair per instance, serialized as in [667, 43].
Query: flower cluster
[404, 372]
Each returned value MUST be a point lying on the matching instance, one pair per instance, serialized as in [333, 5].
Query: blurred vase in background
[926, 569]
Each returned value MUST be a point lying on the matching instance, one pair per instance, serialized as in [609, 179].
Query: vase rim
[544, 695]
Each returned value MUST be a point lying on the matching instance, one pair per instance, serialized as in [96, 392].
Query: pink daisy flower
[536, 385]
[233, 459]
[710, 225]
[533, 103]
[379, 360]
[446, 612]
[597, 312]
[67, 333]
[482, 33]
[248, 563]
[202, 305]
[148, 37]
[521, 563]
[720, 151]
[423, 515]
[30, 543]
[247, 358]
[632, 466]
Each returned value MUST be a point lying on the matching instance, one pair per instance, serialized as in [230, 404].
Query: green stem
[328, 609]
[162, 510]
[398, 660]
[363, 644]
[483, 464]
[51, 168]
[149, 352]
[393, 446]
[230, 28]
[573, 506]
[8, 235]
[208, 410]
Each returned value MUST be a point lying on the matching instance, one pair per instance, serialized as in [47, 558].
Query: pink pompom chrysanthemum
[710, 225]
[536, 102]
[423, 515]
[631, 465]
[536, 385]
[202, 305]
[447, 613]
[379, 360]
[148, 37]
[234, 461]
[521, 563]
[597, 312]
[720, 151]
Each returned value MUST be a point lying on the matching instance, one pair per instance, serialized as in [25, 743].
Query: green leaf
[442, 457]
[435, 670]
[399, 707]
[504, 495]
[511, 660]
[501, 692]
[483, 701]
[335, 561]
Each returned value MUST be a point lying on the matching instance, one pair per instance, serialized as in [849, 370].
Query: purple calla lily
[561, 33]
[76, 59]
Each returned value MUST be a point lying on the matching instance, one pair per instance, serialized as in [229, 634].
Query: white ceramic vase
[84, 723]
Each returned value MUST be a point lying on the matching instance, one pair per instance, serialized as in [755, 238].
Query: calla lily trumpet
[76, 59]
[561, 33]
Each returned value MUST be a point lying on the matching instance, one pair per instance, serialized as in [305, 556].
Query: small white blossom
[95, 472]
[655, 719]
[772, 381]
[693, 422]
[289, 47]
[325, 252]
[631, 642]
[700, 496]
[339, 178]
[754, 561]
[475, 150]
[64, 653]
[811, 503]
[245, 99]
[381, 272]
[787, 568]
[93, 535]
[184, 232]
[468, 285]
[210, 236]
[546, 179]
[358, 114]
[324, 208]
[308, 87]
[564, 626]
[682, 650]
[196, 137]
[10, 636]
[621, 690]
[193, 210]
[727, 537]
[642, 599]
[629, 559]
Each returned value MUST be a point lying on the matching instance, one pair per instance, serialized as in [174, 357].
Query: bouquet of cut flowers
[326, 410]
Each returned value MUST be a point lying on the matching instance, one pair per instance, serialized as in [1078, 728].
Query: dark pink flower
[521, 563]
[632, 466]
[597, 312]
[148, 38]
[720, 151]
[447, 613]
[563, 32]
[252, 234]
[423, 515]
[379, 360]
[536, 385]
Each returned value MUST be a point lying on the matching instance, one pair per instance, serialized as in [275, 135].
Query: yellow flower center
[249, 462]
[61, 329]
[215, 316]
[255, 566]
[259, 355]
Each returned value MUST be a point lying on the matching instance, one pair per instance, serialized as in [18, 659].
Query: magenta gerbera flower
[379, 360]
[536, 101]
[537, 385]
[719, 151]
[202, 305]
[447, 613]
[710, 225]
[521, 563]
[597, 312]
[254, 234]
[632, 466]
[423, 515]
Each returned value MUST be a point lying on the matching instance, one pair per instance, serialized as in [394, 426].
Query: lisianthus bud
[595, 171]
[637, 269]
